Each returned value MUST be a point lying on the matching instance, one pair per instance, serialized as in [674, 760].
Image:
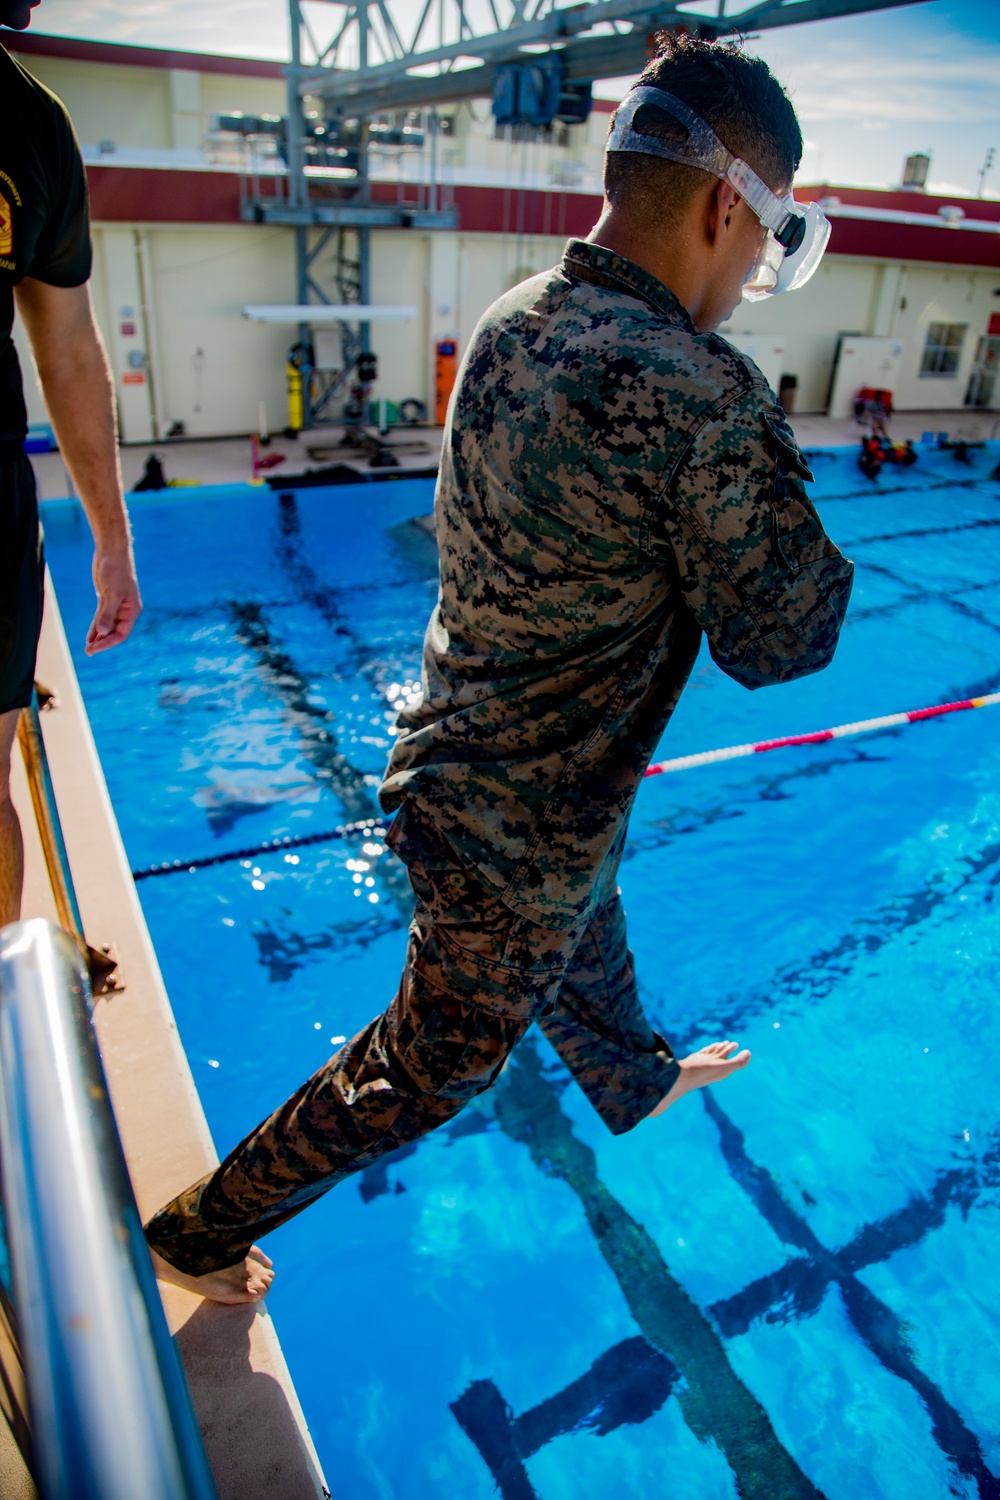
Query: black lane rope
[984, 523]
[372, 827]
[875, 490]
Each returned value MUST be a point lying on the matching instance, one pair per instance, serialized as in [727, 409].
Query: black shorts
[22, 573]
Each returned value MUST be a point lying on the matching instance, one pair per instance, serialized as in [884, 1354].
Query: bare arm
[76, 382]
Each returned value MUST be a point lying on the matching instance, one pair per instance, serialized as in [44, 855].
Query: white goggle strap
[702, 148]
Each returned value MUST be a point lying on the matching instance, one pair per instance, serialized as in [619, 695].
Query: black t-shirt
[44, 218]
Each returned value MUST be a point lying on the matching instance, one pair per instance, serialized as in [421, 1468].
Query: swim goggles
[797, 233]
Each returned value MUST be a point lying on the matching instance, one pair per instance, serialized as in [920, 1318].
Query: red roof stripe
[152, 195]
[897, 199]
[37, 43]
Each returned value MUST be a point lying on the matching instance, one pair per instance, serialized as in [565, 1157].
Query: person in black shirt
[45, 260]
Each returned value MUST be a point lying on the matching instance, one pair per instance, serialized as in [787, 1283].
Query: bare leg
[11, 846]
[709, 1064]
[248, 1281]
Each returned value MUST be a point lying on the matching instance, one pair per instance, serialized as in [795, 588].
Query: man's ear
[723, 199]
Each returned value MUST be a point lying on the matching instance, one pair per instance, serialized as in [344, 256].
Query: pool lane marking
[369, 828]
[883, 1331]
[316, 728]
[983, 523]
[715, 1403]
[376, 828]
[820, 736]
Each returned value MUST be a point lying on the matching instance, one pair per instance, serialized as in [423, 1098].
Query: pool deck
[253, 1427]
[228, 460]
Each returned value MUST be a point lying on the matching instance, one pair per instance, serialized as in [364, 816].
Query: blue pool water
[794, 1281]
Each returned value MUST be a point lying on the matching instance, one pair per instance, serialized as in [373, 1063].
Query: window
[943, 349]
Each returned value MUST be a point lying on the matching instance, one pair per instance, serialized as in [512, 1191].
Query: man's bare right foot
[249, 1281]
[709, 1064]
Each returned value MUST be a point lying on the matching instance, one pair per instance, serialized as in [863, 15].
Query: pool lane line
[950, 598]
[626, 1385]
[984, 523]
[377, 827]
[879, 1327]
[716, 1404]
[369, 828]
[316, 728]
[890, 491]
[820, 736]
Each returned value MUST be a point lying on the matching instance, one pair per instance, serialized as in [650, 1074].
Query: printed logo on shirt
[6, 227]
[7, 223]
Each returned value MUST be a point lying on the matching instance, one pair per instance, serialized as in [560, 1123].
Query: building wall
[182, 288]
[837, 300]
[169, 296]
[892, 299]
[940, 296]
[214, 366]
[169, 303]
[126, 105]
[401, 276]
[158, 109]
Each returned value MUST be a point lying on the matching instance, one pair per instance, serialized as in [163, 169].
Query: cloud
[928, 79]
[252, 28]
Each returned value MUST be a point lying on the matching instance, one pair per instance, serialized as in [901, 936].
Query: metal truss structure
[408, 54]
[355, 60]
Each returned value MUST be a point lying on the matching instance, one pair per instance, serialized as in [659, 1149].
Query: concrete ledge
[255, 1433]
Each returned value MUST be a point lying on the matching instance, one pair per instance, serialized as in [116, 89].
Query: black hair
[737, 95]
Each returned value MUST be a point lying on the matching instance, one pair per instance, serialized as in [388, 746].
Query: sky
[869, 89]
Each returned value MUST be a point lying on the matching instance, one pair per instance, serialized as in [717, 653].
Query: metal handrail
[110, 1414]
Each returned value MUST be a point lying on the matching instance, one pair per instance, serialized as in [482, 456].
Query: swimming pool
[791, 1284]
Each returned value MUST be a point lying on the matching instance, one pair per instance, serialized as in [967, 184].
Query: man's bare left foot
[248, 1281]
[708, 1065]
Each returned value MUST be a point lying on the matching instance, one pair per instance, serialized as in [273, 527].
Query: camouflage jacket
[613, 484]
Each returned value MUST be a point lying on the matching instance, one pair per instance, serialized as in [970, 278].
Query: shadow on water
[627, 1384]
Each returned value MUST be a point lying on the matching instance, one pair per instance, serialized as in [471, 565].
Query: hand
[118, 602]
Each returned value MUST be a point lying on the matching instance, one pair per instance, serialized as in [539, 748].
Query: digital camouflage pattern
[476, 976]
[613, 484]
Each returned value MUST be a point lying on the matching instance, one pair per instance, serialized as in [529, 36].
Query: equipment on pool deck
[820, 736]
[871, 458]
[341, 473]
[876, 451]
[296, 360]
[153, 477]
[445, 375]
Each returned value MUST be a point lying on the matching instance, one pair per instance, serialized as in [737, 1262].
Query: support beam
[391, 85]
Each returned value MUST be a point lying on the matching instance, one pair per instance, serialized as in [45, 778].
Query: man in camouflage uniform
[616, 481]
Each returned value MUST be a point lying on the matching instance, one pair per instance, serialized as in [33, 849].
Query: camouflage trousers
[476, 977]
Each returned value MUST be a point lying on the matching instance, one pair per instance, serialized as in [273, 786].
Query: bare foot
[708, 1065]
[249, 1281]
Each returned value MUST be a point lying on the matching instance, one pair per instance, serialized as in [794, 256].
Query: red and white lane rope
[842, 731]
